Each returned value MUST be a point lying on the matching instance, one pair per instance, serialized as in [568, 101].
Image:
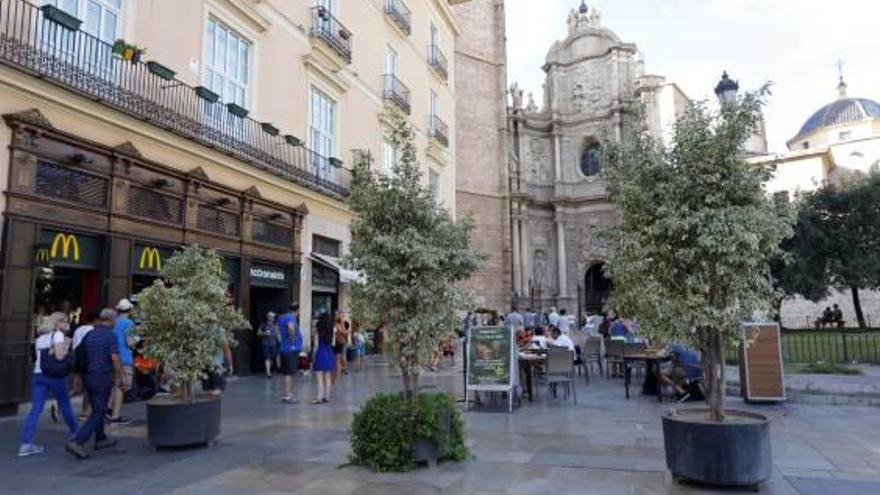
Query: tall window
[434, 184]
[391, 61]
[390, 157]
[433, 104]
[591, 159]
[435, 37]
[322, 130]
[331, 5]
[227, 62]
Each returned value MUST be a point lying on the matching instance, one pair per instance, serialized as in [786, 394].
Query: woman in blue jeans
[50, 337]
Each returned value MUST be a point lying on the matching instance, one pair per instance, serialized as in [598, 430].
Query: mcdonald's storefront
[86, 224]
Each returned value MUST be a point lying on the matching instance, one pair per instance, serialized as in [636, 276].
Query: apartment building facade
[134, 127]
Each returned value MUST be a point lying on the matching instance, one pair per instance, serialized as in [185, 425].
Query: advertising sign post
[491, 362]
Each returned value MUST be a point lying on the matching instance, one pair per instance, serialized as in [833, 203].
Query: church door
[596, 288]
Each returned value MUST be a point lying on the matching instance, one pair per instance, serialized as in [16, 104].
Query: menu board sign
[490, 363]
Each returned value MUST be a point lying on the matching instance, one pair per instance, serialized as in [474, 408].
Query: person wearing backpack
[53, 364]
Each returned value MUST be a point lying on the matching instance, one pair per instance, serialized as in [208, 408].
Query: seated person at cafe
[618, 329]
[685, 368]
[523, 337]
[539, 340]
[559, 339]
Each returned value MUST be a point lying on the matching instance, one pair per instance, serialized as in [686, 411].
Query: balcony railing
[400, 14]
[437, 129]
[87, 66]
[331, 31]
[396, 92]
[438, 61]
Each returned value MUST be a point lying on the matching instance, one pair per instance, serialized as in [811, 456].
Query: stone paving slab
[604, 445]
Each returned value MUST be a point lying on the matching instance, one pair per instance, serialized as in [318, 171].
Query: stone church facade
[558, 202]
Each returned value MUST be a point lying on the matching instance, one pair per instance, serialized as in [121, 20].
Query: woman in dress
[324, 360]
[340, 338]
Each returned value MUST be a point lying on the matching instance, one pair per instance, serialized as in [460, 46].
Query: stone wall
[482, 184]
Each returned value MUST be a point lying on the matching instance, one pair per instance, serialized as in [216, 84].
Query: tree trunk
[857, 305]
[410, 385]
[714, 373]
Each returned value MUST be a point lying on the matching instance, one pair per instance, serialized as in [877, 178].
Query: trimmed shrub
[384, 431]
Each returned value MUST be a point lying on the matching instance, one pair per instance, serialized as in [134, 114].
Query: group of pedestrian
[93, 354]
[281, 340]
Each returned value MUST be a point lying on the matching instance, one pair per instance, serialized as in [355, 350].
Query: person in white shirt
[559, 339]
[564, 323]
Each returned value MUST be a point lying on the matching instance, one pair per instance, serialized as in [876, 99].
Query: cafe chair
[592, 353]
[630, 349]
[560, 372]
[614, 357]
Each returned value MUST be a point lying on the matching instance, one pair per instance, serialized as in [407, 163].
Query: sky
[795, 44]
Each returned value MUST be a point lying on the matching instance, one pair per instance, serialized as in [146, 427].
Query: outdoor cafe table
[652, 360]
[528, 359]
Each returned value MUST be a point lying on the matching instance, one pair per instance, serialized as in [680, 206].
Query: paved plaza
[604, 445]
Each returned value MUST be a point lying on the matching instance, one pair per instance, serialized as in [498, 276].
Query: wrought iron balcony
[87, 66]
[396, 92]
[438, 61]
[437, 129]
[331, 31]
[400, 14]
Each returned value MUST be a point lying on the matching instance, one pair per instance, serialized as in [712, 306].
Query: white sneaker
[27, 449]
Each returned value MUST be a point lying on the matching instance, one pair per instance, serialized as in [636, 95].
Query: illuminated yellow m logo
[42, 255]
[66, 242]
[150, 259]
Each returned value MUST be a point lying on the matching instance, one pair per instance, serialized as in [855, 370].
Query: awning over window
[345, 276]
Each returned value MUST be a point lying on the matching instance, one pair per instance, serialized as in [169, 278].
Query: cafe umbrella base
[733, 453]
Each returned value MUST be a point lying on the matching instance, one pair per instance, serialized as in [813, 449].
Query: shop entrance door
[263, 300]
[67, 276]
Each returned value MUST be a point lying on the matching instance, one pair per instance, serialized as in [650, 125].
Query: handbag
[52, 366]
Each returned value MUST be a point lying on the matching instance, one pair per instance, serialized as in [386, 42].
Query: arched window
[591, 159]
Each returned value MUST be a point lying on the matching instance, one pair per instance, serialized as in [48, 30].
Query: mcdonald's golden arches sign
[149, 260]
[68, 249]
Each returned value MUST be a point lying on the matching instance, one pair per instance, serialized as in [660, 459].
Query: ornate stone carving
[531, 107]
[31, 116]
[516, 95]
[540, 275]
[593, 246]
[127, 148]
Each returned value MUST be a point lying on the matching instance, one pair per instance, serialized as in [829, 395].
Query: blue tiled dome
[842, 111]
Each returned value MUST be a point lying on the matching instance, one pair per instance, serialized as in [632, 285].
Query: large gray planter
[429, 450]
[175, 423]
[734, 453]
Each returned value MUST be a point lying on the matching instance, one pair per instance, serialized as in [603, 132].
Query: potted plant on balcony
[322, 13]
[138, 54]
[691, 261]
[293, 140]
[160, 70]
[206, 94]
[119, 47]
[60, 17]
[270, 129]
[344, 34]
[187, 321]
[336, 162]
[237, 110]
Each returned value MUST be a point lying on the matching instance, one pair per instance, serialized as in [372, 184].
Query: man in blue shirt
[685, 368]
[122, 330]
[103, 369]
[291, 345]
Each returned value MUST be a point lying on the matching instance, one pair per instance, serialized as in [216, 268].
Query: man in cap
[122, 330]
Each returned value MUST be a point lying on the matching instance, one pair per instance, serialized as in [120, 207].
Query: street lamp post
[726, 90]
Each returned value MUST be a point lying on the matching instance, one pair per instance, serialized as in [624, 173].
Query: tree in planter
[187, 318]
[697, 232]
[838, 234]
[414, 255]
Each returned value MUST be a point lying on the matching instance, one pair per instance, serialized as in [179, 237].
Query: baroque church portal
[559, 203]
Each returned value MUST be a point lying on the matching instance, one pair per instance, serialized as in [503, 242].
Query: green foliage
[836, 242]
[696, 232]
[384, 431]
[414, 255]
[187, 316]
